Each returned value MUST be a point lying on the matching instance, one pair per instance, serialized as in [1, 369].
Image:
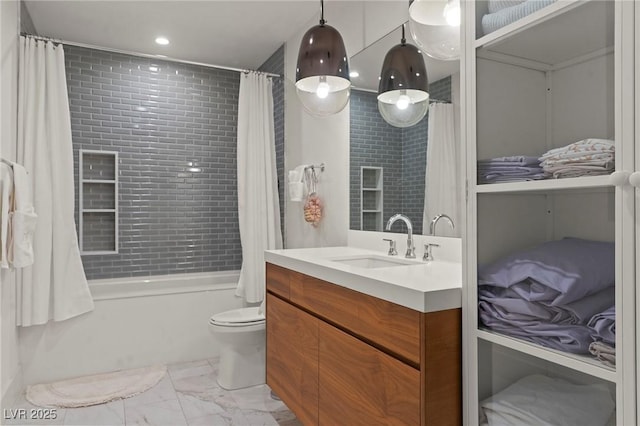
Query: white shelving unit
[98, 202]
[371, 198]
[560, 75]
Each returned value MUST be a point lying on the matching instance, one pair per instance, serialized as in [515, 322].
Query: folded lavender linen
[557, 272]
[604, 326]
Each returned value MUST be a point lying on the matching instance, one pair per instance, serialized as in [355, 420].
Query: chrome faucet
[434, 222]
[411, 250]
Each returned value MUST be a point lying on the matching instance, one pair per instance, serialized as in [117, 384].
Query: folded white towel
[604, 352]
[296, 183]
[540, 400]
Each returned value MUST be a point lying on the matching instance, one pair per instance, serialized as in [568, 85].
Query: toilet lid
[238, 317]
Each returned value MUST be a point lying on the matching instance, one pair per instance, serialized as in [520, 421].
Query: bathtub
[137, 322]
[144, 286]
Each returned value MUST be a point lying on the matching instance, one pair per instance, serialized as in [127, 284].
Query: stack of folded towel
[587, 157]
[509, 169]
[548, 294]
[604, 333]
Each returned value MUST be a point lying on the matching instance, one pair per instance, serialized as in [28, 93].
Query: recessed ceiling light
[162, 41]
[354, 74]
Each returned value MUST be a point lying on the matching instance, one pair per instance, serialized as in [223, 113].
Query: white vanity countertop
[422, 286]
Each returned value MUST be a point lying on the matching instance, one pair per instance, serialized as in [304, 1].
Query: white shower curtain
[258, 206]
[442, 180]
[55, 286]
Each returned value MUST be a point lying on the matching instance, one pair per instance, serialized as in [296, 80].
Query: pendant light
[435, 27]
[403, 97]
[322, 71]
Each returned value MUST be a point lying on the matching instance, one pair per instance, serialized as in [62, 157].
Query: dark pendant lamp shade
[403, 97]
[322, 71]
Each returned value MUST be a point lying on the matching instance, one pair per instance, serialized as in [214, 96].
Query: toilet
[241, 334]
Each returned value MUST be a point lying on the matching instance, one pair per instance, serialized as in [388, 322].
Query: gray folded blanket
[507, 15]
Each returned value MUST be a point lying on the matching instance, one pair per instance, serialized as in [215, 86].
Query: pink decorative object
[313, 210]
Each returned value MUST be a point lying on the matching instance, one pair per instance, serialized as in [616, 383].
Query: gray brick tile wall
[402, 153]
[160, 116]
[373, 143]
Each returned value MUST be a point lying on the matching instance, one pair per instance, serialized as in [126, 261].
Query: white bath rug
[97, 389]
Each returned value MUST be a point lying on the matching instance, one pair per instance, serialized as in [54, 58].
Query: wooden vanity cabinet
[339, 357]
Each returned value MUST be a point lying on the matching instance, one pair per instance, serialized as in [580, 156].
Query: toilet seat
[238, 317]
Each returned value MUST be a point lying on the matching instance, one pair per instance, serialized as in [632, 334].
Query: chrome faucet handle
[411, 249]
[392, 247]
[428, 256]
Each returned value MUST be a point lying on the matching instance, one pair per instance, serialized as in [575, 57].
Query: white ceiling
[368, 62]
[233, 33]
[236, 33]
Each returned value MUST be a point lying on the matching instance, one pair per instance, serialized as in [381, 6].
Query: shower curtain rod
[146, 55]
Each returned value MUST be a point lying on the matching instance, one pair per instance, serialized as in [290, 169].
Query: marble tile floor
[187, 396]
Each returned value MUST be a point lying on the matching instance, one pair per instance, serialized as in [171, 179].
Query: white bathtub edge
[159, 285]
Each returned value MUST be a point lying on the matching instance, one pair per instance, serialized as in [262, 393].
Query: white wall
[9, 30]
[326, 140]
[132, 326]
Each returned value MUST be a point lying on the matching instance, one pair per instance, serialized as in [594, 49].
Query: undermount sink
[372, 261]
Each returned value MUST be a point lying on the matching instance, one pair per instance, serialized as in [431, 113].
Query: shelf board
[560, 32]
[98, 181]
[371, 211]
[585, 364]
[372, 189]
[546, 185]
[98, 210]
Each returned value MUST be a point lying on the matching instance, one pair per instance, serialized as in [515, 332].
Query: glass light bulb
[452, 13]
[324, 95]
[403, 108]
[432, 31]
[403, 102]
[323, 90]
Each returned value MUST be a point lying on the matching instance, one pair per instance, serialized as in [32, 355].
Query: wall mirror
[388, 164]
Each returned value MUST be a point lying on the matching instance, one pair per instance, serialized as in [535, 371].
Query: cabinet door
[292, 358]
[360, 385]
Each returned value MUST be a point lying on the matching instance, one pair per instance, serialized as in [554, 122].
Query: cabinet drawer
[278, 280]
[361, 385]
[384, 324]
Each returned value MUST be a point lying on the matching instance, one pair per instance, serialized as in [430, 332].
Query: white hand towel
[6, 192]
[23, 220]
[296, 184]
